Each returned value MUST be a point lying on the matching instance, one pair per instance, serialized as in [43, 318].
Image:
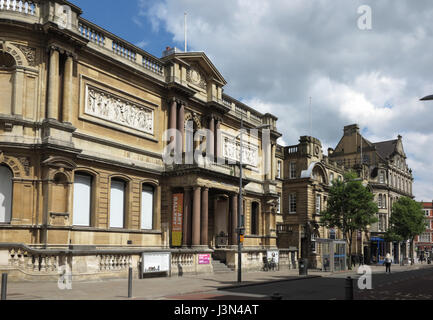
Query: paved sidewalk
[164, 288]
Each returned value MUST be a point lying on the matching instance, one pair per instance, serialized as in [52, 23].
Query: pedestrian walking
[388, 262]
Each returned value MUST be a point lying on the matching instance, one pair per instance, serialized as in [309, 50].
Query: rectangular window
[147, 206]
[117, 204]
[82, 200]
[293, 170]
[382, 177]
[279, 176]
[425, 237]
[279, 204]
[318, 204]
[292, 203]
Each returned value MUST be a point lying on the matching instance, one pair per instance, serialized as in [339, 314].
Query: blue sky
[277, 54]
[119, 19]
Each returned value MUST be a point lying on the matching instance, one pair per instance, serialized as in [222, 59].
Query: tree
[407, 221]
[351, 208]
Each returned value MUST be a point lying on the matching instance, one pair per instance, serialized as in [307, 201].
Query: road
[410, 285]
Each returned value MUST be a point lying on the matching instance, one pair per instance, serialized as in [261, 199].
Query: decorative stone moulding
[109, 107]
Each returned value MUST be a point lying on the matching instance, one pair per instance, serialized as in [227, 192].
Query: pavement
[188, 287]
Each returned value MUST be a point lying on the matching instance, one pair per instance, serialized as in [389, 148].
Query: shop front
[378, 250]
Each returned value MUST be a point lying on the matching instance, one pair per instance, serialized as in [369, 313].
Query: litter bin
[303, 267]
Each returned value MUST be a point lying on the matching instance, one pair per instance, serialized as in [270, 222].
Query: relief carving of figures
[232, 151]
[109, 107]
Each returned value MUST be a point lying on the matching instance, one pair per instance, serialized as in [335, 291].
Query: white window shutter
[82, 200]
[117, 204]
[147, 208]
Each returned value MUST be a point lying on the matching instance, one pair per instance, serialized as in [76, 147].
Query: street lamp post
[240, 206]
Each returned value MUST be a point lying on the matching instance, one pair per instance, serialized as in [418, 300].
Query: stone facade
[308, 176]
[424, 242]
[83, 116]
[384, 168]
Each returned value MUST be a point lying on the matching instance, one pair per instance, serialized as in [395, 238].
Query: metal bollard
[276, 296]
[130, 283]
[4, 286]
[349, 288]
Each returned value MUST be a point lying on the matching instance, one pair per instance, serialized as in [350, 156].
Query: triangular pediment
[200, 65]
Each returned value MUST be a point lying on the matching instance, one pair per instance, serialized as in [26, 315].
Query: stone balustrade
[91, 34]
[29, 263]
[116, 262]
[183, 259]
[108, 41]
[25, 7]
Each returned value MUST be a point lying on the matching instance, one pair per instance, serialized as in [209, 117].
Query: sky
[277, 54]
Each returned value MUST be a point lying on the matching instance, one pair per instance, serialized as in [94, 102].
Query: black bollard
[349, 288]
[4, 286]
[130, 283]
[276, 296]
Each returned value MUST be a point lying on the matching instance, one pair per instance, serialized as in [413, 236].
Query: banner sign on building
[274, 255]
[156, 262]
[204, 259]
[177, 222]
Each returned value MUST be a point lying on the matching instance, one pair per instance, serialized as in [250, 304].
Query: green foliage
[351, 206]
[407, 220]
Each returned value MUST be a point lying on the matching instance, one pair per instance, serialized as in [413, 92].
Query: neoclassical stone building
[84, 180]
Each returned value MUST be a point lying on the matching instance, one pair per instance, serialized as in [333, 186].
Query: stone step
[220, 267]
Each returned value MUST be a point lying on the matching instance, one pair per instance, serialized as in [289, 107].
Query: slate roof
[386, 148]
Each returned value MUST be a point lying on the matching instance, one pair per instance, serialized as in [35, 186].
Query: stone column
[181, 128]
[173, 119]
[53, 85]
[211, 139]
[196, 217]
[273, 162]
[218, 141]
[67, 89]
[204, 216]
[186, 238]
[234, 206]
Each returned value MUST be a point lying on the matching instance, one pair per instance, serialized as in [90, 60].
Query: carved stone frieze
[231, 150]
[109, 107]
[29, 53]
[197, 77]
[25, 161]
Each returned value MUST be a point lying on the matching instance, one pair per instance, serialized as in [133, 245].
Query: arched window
[82, 199]
[5, 194]
[254, 218]
[379, 203]
[117, 203]
[7, 70]
[147, 207]
[384, 201]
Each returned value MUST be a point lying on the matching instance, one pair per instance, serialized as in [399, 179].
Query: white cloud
[275, 55]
